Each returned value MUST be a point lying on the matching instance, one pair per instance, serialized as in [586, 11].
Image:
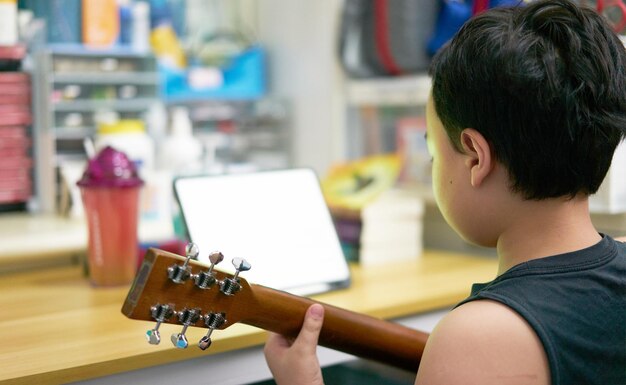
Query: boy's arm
[483, 342]
[621, 239]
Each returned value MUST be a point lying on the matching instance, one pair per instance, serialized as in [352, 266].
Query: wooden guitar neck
[262, 307]
[343, 330]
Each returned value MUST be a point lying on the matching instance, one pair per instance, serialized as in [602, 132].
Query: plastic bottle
[126, 22]
[129, 136]
[101, 22]
[140, 36]
[180, 152]
[156, 122]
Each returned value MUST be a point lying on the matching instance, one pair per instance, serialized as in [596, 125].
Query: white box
[8, 22]
[392, 228]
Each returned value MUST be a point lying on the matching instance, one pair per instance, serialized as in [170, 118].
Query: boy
[526, 109]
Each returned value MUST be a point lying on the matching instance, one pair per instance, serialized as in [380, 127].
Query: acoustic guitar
[169, 288]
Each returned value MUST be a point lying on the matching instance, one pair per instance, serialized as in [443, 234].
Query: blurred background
[189, 87]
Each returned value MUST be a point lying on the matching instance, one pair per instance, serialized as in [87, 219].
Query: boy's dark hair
[545, 85]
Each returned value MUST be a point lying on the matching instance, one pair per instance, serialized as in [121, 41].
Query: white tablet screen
[277, 220]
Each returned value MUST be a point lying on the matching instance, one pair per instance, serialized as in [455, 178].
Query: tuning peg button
[216, 257]
[180, 340]
[241, 265]
[205, 342]
[192, 250]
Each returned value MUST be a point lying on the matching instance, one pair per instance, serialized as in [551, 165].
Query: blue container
[63, 18]
[244, 79]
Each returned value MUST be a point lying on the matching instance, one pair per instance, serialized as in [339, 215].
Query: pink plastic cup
[110, 193]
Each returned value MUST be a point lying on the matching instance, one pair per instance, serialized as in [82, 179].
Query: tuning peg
[186, 317]
[160, 313]
[181, 273]
[206, 279]
[215, 258]
[229, 286]
[212, 321]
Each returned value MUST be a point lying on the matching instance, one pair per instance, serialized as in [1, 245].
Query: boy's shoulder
[483, 342]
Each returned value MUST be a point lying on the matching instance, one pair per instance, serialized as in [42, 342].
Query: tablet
[277, 220]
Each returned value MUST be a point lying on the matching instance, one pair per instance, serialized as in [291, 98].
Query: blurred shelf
[141, 78]
[138, 104]
[73, 133]
[400, 91]
[99, 75]
[204, 97]
[75, 49]
[69, 157]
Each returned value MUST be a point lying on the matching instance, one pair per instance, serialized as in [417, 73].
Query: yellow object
[166, 46]
[121, 126]
[351, 186]
[130, 137]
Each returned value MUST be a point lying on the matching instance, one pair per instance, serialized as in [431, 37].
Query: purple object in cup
[110, 168]
[110, 189]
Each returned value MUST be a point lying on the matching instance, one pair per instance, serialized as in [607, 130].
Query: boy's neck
[545, 228]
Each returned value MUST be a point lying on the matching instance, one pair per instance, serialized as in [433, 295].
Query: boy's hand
[295, 362]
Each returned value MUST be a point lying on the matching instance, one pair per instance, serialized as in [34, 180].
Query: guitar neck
[343, 330]
[268, 309]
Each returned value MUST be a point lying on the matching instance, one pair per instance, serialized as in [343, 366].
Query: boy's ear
[480, 160]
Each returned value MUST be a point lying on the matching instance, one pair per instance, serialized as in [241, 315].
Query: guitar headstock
[172, 289]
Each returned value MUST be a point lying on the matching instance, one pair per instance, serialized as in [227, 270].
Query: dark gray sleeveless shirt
[576, 303]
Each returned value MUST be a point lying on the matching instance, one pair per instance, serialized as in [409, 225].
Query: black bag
[385, 37]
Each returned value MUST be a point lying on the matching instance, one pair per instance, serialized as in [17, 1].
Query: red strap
[381, 31]
[480, 6]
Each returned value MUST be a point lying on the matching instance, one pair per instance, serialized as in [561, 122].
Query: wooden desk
[28, 241]
[56, 328]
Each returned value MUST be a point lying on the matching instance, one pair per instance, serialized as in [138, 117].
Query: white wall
[300, 36]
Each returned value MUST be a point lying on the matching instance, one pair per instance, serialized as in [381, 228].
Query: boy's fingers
[309, 334]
